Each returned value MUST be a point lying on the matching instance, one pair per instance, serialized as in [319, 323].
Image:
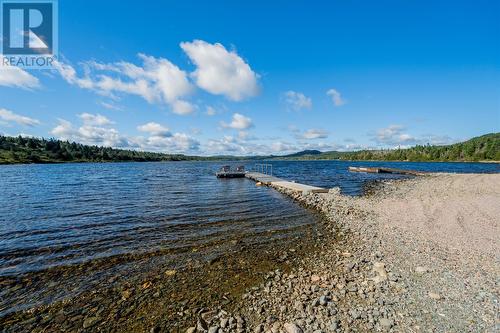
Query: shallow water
[125, 216]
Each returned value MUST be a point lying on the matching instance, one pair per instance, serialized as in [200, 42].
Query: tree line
[35, 150]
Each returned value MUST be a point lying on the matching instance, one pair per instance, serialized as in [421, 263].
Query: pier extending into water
[270, 180]
[387, 170]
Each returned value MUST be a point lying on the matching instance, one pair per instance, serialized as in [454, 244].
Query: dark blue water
[69, 213]
[330, 174]
[63, 215]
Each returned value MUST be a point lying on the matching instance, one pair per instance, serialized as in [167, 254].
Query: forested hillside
[34, 150]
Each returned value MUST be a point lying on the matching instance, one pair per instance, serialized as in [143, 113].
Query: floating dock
[387, 170]
[270, 180]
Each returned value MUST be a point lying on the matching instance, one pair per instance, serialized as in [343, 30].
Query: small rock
[170, 272]
[334, 190]
[292, 328]
[201, 325]
[259, 329]
[385, 323]
[435, 296]
[355, 314]
[421, 270]
[89, 322]
[379, 268]
[191, 330]
[334, 325]
[213, 329]
[315, 278]
[323, 300]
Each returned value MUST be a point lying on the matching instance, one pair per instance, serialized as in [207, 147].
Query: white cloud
[160, 139]
[182, 107]
[155, 129]
[176, 143]
[110, 106]
[157, 81]
[312, 134]
[336, 97]
[393, 136]
[297, 101]
[90, 135]
[12, 76]
[94, 119]
[221, 72]
[239, 122]
[9, 116]
[210, 111]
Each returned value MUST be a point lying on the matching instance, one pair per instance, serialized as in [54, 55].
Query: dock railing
[266, 169]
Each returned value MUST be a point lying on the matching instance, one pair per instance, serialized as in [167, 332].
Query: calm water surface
[66, 214]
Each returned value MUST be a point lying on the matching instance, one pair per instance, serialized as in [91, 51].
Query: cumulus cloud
[12, 76]
[89, 134]
[239, 122]
[159, 137]
[221, 72]
[393, 135]
[240, 146]
[157, 80]
[176, 143]
[297, 101]
[314, 133]
[94, 119]
[11, 117]
[182, 107]
[336, 97]
[155, 129]
[310, 134]
[396, 135]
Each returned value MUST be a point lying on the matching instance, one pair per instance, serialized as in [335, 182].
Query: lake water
[70, 214]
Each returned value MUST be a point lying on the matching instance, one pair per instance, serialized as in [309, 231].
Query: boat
[227, 172]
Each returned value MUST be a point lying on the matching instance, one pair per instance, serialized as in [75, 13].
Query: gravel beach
[418, 255]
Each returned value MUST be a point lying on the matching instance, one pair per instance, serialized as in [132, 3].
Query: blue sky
[252, 77]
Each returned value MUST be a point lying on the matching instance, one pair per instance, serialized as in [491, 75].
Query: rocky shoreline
[370, 275]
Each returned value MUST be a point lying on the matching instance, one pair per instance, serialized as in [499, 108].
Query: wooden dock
[281, 183]
[387, 170]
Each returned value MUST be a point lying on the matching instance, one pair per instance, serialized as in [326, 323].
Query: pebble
[435, 296]
[89, 322]
[385, 323]
[421, 270]
[315, 278]
[201, 325]
[213, 329]
[292, 328]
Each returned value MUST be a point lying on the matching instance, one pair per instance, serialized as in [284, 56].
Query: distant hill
[34, 150]
[304, 153]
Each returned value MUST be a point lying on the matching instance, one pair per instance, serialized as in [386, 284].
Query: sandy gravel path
[460, 212]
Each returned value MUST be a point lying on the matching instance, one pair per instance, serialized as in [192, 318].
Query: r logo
[28, 27]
